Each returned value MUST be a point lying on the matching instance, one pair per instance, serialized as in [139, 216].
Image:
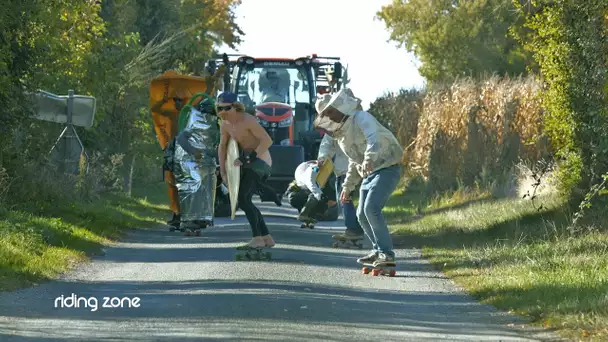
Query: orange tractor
[281, 93]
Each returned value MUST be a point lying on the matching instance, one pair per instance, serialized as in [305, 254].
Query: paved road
[190, 289]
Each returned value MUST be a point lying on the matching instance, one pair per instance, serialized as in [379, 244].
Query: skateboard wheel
[335, 245]
[365, 270]
[392, 273]
[375, 272]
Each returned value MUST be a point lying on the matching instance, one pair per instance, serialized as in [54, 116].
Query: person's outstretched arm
[311, 183]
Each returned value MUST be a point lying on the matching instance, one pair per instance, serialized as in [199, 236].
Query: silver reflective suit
[195, 177]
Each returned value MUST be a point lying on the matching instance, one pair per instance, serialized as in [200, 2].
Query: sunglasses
[223, 108]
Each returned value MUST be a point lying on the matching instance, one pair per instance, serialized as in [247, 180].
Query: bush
[473, 131]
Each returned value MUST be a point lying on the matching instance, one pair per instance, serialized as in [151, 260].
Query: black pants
[250, 181]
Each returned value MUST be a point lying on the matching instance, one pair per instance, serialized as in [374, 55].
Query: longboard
[251, 254]
[341, 241]
[388, 270]
[234, 175]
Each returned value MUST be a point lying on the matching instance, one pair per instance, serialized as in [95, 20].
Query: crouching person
[195, 166]
[307, 197]
[374, 156]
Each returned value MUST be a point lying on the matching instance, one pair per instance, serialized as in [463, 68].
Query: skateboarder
[374, 156]
[255, 161]
[179, 101]
[329, 149]
[195, 166]
[306, 196]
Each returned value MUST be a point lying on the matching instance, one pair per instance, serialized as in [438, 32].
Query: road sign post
[73, 110]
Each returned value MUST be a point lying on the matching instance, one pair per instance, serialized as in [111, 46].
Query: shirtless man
[255, 160]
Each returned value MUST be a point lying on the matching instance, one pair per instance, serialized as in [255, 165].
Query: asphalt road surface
[192, 289]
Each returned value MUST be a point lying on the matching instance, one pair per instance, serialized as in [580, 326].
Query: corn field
[470, 131]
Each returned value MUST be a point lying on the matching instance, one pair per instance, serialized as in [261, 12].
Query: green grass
[38, 243]
[508, 254]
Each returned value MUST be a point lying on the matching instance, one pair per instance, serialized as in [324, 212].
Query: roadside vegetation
[109, 50]
[506, 163]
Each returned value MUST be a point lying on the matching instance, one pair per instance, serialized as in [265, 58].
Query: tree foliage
[457, 38]
[107, 49]
[569, 40]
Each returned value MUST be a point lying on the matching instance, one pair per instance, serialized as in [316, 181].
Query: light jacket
[306, 178]
[329, 148]
[363, 138]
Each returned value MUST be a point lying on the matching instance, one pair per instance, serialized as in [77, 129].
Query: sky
[296, 28]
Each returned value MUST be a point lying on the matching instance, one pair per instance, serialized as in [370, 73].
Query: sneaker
[384, 260]
[368, 259]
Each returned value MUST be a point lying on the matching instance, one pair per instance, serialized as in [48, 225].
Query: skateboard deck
[192, 232]
[249, 254]
[341, 241]
[324, 172]
[388, 270]
[196, 231]
[233, 174]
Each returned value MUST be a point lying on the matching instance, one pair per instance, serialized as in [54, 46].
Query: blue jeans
[375, 192]
[348, 210]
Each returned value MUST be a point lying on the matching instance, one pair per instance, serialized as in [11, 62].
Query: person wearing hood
[305, 194]
[329, 150]
[195, 166]
[374, 159]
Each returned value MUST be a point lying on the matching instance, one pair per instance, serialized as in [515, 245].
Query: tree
[109, 49]
[569, 40]
[457, 38]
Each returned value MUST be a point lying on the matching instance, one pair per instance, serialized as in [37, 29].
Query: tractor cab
[281, 93]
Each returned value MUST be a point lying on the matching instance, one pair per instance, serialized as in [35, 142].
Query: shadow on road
[251, 304]
[190, 288]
